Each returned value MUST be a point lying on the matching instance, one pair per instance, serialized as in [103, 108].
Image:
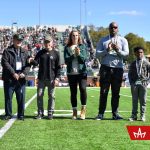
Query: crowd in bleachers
[34, 37]
[33, 42]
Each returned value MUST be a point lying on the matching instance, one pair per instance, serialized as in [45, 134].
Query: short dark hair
[136, 49]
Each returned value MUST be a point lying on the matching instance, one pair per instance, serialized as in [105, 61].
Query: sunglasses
[113, 27]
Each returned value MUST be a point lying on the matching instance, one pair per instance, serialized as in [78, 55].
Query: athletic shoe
[99, 117]
[116, 117]
[133, 118]
[39, 116]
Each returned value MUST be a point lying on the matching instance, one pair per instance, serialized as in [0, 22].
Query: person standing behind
[139, 77]
[15, 68]
[48, 60]
[111, 50]
[75, 57]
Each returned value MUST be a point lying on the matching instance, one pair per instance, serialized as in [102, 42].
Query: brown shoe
[74, 115]
[83, 112]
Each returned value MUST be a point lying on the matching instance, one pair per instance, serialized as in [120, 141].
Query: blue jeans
[19, 89]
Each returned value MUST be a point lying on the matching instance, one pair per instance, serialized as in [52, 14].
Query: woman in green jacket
[75, 58]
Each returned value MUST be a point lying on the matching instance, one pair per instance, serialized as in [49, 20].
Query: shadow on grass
[66, 118]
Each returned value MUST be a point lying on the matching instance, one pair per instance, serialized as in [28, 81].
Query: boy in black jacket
[48, 60]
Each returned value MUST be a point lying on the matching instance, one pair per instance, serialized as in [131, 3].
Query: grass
[62, 133]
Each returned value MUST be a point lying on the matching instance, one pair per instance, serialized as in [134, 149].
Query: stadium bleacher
[33, 42]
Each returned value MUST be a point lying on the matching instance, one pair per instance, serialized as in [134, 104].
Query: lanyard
[115, 39]
[18, 55]
[139, 68]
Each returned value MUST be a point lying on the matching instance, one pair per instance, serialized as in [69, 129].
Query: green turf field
[62, 133]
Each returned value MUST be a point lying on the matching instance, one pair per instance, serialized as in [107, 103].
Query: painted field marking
[7, 126]
[2, 111]
[69, 114]
[62, 114]
[119, 94]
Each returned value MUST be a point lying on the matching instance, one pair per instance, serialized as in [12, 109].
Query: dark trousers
[74, 81]
[110, 78]
[9, 89]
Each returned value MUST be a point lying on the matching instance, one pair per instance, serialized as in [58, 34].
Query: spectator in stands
[15, 69]
[111, 50]
[139, 77]
[48, 60]
[75, 57]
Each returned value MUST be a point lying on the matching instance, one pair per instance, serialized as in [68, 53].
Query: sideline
[7, 126]
[119, 94]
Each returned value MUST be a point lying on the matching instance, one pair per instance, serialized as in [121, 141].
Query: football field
[63, 133]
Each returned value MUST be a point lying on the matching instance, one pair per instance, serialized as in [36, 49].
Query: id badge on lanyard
[139, 71]
[18, 65]
[18, 62]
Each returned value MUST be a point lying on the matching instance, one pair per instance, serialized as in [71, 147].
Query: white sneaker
[133, 118]
[143, 118]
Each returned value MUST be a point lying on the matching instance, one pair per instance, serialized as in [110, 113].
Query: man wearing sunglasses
[111, 50]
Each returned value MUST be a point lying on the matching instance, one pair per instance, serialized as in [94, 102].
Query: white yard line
[67, 113]
[118, 111]
[7, 126]
[120, 94]
[2, 111]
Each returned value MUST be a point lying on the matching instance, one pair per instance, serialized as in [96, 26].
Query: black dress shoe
[7, 117]
[21, 118]
[116, 117]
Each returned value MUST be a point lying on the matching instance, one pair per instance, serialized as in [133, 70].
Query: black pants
[110, 78]
[19, 89]
[74, 80]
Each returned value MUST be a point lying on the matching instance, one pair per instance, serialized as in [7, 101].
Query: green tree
[96, 35]
[134, 41]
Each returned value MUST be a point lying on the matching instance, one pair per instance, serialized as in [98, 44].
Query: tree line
[133, 40]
